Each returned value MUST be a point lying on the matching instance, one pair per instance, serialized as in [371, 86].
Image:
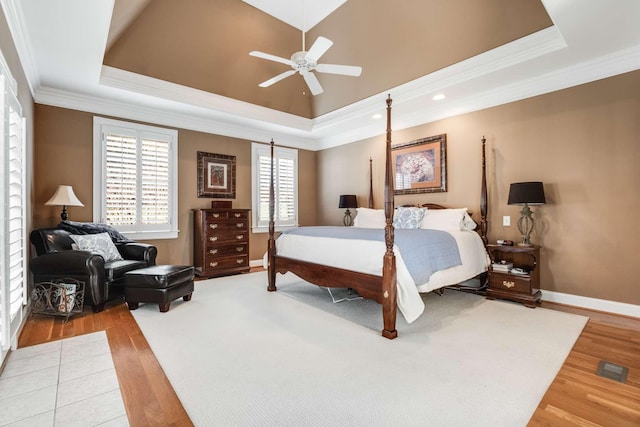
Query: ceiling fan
[304, 62]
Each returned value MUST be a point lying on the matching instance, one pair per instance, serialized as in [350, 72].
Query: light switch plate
[506, 221]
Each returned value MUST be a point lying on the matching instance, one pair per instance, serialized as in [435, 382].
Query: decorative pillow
[408, 217]
[369, 218]
[99, 244]
[468, 223]
[444, 219]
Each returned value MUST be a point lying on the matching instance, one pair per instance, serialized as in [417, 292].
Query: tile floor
[70, 382]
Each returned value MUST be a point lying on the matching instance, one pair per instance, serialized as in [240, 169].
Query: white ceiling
[302, 14]
[61, 44]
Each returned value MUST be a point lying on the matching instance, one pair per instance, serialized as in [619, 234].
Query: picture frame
[216, 175]
[420, 166]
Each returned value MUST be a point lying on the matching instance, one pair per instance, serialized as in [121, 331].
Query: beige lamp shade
[64, 196]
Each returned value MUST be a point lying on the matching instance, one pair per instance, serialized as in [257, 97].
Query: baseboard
[592, 303]
[256, 263]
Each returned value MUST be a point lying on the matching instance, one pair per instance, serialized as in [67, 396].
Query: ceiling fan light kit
[304, 63]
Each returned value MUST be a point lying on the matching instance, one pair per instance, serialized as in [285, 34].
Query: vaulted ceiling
[187, 63]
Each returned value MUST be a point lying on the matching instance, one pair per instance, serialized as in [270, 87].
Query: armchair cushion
[99, 244]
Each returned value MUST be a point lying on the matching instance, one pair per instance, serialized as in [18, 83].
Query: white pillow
[408, 217]
[99, 244]
[369, 218]
[444, 219]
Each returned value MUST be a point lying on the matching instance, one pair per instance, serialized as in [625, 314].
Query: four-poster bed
[384, 286]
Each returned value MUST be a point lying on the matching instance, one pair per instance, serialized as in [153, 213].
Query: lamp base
[347, 220]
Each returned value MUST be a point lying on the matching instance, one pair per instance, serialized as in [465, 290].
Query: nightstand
[523, 288]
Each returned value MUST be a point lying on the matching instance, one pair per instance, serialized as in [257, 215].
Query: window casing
[285, 165]
[13, 238]
[135, 178]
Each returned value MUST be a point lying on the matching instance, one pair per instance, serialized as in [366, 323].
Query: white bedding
[365, 256]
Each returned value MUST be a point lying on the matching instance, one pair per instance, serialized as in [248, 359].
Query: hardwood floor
[577, 396]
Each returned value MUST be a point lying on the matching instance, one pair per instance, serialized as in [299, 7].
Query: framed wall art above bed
[420, 166]
[216, 175]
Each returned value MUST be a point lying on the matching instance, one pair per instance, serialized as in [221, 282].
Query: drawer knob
[240, 225]
[239, 261]
[213, 251]
[213, 226]
[237, 215]
[239, 249]
[239, 237]
[213, 239]
[216, 215]
[213, 264]
[508, 284]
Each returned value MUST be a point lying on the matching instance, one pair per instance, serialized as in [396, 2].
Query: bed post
[271, 247]
[389, 289]
[370, 183]
[483, 197]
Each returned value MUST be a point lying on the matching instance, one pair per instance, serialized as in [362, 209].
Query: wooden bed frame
[382, 289]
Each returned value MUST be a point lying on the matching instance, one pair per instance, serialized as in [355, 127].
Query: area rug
[238, 355]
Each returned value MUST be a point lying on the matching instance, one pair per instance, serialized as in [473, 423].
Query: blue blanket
[423, 251]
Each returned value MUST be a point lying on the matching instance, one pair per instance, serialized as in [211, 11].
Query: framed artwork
[420, 166]
[216, 175]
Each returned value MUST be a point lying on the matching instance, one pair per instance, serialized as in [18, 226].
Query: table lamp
[64, 196]
[525, 194]
[348, 201]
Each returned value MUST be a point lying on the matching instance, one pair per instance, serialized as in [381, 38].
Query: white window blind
[137, 179]
[12, 215]
[285, 164]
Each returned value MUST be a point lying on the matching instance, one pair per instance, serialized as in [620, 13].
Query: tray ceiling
[186, 64]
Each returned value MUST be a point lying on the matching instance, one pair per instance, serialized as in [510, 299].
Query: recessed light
[376, 116]
[438, 97]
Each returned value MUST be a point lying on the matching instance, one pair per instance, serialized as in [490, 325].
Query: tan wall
[64, 155]
[581, 142]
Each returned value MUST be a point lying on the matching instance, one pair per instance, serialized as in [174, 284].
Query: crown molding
[167, 114]
[226, 107]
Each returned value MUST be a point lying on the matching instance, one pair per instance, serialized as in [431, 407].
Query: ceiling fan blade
[270, 57]
[312, 82]
[277, 78]
[345, 70]
[320, 46]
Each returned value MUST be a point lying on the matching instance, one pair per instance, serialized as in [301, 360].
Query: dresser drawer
[217, 251]
[227, 225]
[213, 263]
[213, 237]
[510, 282]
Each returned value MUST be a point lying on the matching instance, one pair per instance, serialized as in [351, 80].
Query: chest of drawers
[220, 241]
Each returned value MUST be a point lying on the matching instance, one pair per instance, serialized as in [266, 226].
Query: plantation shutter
[285, 186]
[13, 217]
[155, 180]
[138, 182]
[120, 177]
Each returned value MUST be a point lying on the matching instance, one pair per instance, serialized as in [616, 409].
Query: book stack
[502, 266]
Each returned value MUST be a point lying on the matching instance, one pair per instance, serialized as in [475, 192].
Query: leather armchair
[55, 259]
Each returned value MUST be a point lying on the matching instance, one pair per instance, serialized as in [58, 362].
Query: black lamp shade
[531, 193]
[348, 201]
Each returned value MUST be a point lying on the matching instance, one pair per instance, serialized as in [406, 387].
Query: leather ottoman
[158, 284]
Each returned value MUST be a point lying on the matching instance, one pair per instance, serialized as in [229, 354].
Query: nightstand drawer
[510, 282]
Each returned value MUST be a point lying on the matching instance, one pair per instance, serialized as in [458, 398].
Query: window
[13, 236]
[285, 166]
[135, 178]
